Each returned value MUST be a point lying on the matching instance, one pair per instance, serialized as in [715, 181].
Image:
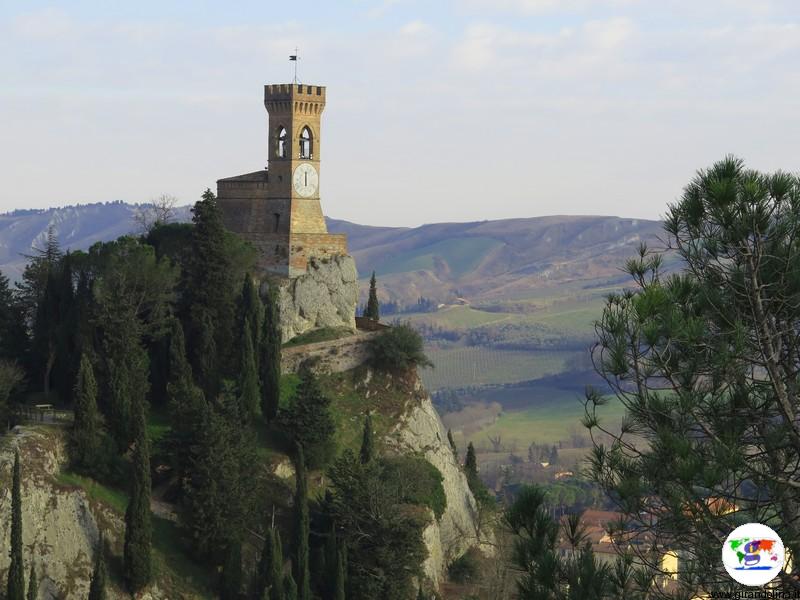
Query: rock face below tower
[326, 295]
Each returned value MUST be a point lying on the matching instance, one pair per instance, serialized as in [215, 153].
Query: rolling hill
[504, 260]
[488, 261]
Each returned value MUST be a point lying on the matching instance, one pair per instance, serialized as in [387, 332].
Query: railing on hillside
[44, 413]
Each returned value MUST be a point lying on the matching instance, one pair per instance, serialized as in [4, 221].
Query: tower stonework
[278, 209]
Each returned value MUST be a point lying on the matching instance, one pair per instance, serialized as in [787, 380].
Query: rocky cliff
[326, 296]
[420, 431]
[59, 521]
[63, 514]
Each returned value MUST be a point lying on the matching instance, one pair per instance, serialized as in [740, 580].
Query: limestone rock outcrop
[59, 522]
[421, 431]
[325, 296]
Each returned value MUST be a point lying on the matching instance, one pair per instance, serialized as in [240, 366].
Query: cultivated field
[465, 366]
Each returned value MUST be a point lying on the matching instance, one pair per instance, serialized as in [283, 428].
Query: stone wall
[305, 246]
[333, 356]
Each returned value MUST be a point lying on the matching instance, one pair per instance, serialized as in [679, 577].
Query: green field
[560, 317]
[463, 366]
[547, 419]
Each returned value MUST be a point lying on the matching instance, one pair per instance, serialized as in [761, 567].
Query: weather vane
[293, 58]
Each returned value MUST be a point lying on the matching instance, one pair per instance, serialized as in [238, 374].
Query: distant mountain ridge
[498, 260]
[483, 260]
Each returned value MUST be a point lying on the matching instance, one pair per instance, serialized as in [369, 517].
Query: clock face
[305, 180]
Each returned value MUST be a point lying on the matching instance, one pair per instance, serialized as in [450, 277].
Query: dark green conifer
[97, 589]
[250, 310]
[85, 435]
[367, 442]
[270, 567]
[218, 486]
[289, 588]
[231, 584]
[372, 310]
[301, 529]
[420, 594]
[16, 574]
[137, 563]
[33, 585]
[210, 298]
[339, 581]
[331, 554]
[471, 462]
[13, 334]
[185, 401]
[277, 568]
[263, 573]
[309, 422]
[249, 392]
[270, 357]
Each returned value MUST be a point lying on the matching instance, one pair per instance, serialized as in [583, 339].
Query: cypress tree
[277, 568]
[33, 586]
[367, 442]
[137, 563]
[270, 568]
[250, 310]
[471, 463]
[65, 365]
[340, 578]
[16, 575]
[85, 435]
[185, 401]
[452, 443]
[249, 391]
[289, 588]
[372, 310]
[209, 297]
[263, 571]
[232, 572]
[97, 589]
[420, 594]
[270, 357]
[301, 529]
[331, 555]
[309, 422]
[13, 335]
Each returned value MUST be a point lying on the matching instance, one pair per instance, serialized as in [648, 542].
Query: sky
[437, 110]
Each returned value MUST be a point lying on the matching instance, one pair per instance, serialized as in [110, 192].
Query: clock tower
[278, 209]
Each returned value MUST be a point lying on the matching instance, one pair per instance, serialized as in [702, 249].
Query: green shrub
[399, 348]
[416, 481]
[465, 569]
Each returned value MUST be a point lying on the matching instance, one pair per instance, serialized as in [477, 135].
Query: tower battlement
[292, 92]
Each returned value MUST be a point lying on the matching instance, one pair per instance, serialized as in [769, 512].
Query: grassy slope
[460, 254]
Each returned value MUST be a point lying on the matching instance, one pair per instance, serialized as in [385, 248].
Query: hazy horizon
[477, 108]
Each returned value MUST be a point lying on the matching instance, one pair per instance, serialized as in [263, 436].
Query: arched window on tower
[306, 143]
[282, 142]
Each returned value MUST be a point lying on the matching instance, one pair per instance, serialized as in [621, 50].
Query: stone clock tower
[278, 209]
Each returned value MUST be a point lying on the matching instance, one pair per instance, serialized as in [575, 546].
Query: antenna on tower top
[293, 58]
